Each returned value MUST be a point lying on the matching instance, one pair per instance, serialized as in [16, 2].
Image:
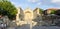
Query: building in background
[48, 11]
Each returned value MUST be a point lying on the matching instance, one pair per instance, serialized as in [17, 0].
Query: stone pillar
[17, 16]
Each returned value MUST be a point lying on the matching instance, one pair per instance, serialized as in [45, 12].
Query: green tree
[53, 12]
[7, 8]
[40, 11]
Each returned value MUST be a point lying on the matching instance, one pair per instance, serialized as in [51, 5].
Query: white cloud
[12, 2]
[55, 1]
[33, 1]
[39, 3]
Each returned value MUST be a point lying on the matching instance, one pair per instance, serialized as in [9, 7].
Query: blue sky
[44, 4]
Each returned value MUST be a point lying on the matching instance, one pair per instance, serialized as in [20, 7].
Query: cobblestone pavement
[36, 27]
[46, 27]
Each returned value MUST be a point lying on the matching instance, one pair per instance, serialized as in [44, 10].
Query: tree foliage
[53, 12]
[40, 11]
[6, 8]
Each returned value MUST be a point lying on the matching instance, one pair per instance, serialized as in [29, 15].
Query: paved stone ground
[11, 28]
[36, 27]
[46, 27]
[24, 27]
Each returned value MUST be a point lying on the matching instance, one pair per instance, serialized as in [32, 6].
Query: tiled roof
[53, 9]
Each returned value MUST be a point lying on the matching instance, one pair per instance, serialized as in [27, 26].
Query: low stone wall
[51, 19]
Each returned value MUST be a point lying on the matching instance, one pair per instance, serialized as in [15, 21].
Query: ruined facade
[26, 16]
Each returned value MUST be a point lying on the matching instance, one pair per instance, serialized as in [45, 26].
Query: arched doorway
[28, 15]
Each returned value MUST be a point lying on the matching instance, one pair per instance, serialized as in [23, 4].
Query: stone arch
[28, 15]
